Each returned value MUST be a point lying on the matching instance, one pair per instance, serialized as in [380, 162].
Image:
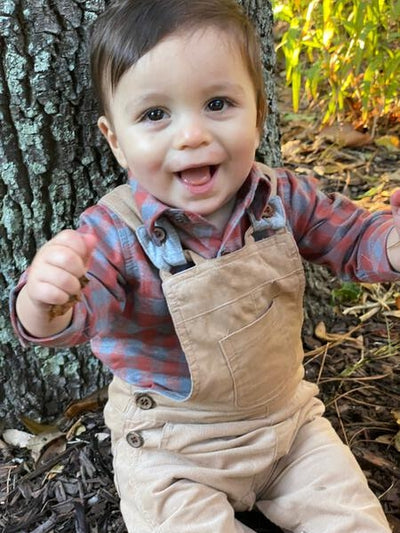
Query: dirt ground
[63, 481]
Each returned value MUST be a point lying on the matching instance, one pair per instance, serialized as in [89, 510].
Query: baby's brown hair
[128, 29]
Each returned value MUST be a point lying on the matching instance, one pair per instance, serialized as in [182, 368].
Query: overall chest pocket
[260, 359]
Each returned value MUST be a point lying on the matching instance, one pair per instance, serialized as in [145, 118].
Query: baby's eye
[154, 114]
[217, 104]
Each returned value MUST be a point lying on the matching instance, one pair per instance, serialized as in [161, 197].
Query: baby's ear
[107, 130]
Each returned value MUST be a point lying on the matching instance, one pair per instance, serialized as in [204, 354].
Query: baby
[195, 285]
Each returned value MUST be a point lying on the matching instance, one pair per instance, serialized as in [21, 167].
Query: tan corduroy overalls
[251, 431]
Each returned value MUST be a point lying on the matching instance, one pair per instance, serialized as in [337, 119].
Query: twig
[366, 378]
[347, 393]
[321, 369]
[341, 423]
[49, 464]
[46, 526]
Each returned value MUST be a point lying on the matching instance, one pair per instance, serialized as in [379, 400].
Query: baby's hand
[395, 203]
[58, 269]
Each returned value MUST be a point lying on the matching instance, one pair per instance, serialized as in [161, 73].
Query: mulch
[64, 483]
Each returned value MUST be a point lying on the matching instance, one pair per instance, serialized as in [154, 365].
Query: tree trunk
[260, 11]
[53, 164]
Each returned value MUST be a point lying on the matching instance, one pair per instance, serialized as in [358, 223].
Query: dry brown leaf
[396, 415]
[36, 427]
[395, 314]
[38, 443]
[59, 310]
[385, 439]
[90, 403]
[53, 449]
[397, 441]
[322, 334]
[345, 135]
[379, 461]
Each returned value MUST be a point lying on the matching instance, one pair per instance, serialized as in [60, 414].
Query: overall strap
[165, 255]
[271, 175]
[120, 200]
[274, 217]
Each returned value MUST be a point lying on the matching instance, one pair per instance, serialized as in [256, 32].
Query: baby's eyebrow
[221, 87]
[143, 100]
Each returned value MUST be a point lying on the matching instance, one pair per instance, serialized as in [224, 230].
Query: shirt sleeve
[105, 293]
[333, 231]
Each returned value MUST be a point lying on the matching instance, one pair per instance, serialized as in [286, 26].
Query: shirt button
[269, 211]
[145, 402]
[181, 218]
[159, 236]
[134, 439]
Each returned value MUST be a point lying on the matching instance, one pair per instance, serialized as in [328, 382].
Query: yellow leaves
[396, 415]
[390, 142]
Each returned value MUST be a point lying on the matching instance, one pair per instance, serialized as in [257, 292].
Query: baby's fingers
[54, 285]
[395, 202]
[68, 250]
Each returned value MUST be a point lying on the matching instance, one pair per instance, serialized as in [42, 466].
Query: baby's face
[183, 121]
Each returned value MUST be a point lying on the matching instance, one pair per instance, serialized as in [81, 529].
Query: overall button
[135, 439]
[145, 402]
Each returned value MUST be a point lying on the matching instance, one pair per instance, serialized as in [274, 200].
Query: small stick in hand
[59, 310]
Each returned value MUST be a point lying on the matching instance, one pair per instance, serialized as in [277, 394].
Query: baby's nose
[192, 132]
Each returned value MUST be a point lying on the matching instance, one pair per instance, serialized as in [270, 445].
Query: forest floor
[61, 479]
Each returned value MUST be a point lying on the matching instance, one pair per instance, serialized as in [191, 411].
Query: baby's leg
[157, 496]
[319, 487]
[181, 507]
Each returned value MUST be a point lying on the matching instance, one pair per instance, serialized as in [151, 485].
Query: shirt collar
[253, 195]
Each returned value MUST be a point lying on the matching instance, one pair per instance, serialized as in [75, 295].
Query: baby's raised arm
[393, 243]
[53, 278]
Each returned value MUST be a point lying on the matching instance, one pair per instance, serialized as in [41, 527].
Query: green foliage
[347, 293]
[345, 53]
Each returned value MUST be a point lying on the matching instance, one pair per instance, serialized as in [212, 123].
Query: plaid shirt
[123, 312]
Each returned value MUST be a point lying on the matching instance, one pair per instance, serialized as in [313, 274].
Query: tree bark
[53, 164]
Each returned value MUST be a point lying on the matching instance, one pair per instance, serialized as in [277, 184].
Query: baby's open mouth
[197, 175]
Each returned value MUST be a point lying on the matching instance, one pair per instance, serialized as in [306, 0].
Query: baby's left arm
[393, 241]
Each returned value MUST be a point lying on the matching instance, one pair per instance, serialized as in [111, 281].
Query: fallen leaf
[344, 135]
[395, 314]
[36, 427]
[53, 449]
[321, 333]
[384, 439]
[38, 442]
[379, 461]
[397, 441]
[76, 429]
[16, 437]
[390, 142]
[61, 309]
[396, 415]
[102, 436]
[90, 403]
